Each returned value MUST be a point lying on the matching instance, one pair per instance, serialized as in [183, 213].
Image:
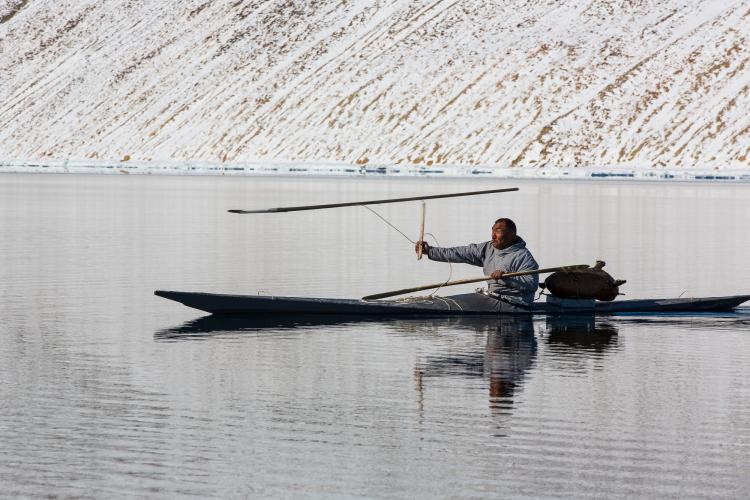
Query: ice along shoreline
[333, 169]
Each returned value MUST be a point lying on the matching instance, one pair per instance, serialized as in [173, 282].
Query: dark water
[108, 391]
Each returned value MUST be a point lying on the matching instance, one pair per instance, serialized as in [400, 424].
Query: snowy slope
[521, 83]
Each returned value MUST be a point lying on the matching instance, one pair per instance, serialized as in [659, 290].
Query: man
[505, 253]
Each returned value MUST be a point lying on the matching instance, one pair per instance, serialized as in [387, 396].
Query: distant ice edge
[332, 169]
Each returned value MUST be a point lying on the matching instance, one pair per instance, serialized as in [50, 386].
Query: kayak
[455, 305]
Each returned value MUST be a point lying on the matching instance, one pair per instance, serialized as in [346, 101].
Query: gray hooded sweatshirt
[512, 259]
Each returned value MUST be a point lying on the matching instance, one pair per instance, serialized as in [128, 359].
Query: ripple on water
[111, 392]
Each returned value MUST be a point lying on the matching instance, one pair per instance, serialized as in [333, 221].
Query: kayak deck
[463, 304]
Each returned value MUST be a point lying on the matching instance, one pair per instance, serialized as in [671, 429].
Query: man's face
[502, 237]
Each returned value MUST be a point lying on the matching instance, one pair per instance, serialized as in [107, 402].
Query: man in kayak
[505, 253]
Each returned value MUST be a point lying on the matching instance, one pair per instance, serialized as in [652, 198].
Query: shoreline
[333, 169]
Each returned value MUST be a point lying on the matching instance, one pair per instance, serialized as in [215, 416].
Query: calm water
[108, 391]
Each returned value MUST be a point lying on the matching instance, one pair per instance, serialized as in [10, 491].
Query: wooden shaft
[474, 280]
[371, 202]
[421, 230]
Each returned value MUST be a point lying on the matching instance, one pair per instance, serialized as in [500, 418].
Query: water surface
[109, 391]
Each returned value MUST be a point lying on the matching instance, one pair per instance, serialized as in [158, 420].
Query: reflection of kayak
[464, 304]
[205, 326]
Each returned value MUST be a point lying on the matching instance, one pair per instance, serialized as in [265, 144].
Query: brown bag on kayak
[592, 283]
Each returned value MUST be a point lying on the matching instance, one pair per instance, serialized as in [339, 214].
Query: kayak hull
[463, 304]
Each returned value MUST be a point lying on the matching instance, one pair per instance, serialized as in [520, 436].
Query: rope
[386, 221]
[448, 302]
[450, 265]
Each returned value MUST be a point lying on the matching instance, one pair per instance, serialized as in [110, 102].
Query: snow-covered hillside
[511, 83]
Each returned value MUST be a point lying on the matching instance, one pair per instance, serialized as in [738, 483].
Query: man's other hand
[424, 245]
[497, 275]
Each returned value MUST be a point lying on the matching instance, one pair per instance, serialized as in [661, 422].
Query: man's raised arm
[470, 254]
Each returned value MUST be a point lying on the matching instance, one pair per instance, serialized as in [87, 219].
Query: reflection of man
[506, 252]
[508, 355]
